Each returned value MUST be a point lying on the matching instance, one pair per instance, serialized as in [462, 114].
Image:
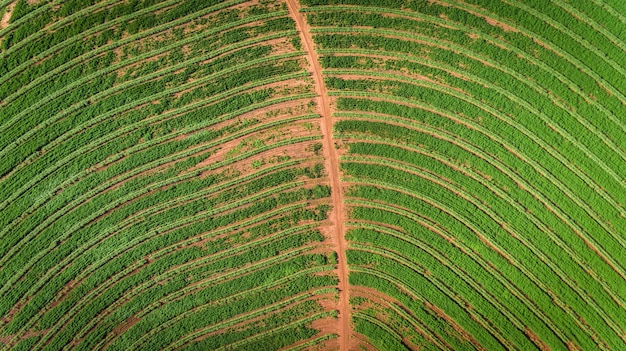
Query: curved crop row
[312, 174]
[162, 185]
[484, 153]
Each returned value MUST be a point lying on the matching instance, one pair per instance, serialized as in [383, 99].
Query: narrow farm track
[332, 164]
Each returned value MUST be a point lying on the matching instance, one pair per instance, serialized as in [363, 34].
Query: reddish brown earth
[4, 21]
[7, 340]
[536, 339]
[120, 329]
[332, 165]
[464, 334]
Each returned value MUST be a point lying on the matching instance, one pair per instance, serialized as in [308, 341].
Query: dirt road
[332, 165]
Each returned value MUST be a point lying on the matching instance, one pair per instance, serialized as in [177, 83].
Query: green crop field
[313, 175]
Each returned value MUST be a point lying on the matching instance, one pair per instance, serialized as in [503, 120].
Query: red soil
[504, 27]
[4, 22]
[127, 324]
[451, 322]
[9, 340]
[536, 340]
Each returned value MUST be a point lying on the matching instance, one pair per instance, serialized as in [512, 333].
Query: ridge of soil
[337, 216]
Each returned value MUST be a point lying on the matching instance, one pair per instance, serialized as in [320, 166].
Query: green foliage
[380, 337]
[317, 171]
[480, 143]
[297, 44]
[484, 151]
[110, 211]
[316, 148]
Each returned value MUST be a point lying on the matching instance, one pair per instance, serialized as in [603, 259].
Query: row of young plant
[185, 341]
[221, 308]
[552, 128]
[447, 308]
[404, 322]
[90, 100]
[570, 55]
[161, 125]
[111, 177]
[416, 330]
[593, 14]
[186, 297]
[127, 210]
[271, 226]
[615, 207]
[402, 285]
[588, 184]
[495, 150]
[80, 71]
[506, 298]
[580, 275]
[62, 41]
[140, 238]
[68, 48]
[17, 18]
[244, 214]
[129, 173]
[507, 53]
[194, 114]
[526, 257]
[565, 33]
[378, 332]
[38, 16]
[112, 22]
[611, 194]
[305, 236]
[257, 227]
[546, 230]
[281, 336]
[407, 92]
[548, 225]
[131, 116]
[513, 54]
[182, 329]
[523, 257]
[506, 333]
[567, 36]
[117, 182]
[140, 192]
[163, 68]
[150, 127]
[605, 147]
[348, 62]
[133, 165]
[159, 108]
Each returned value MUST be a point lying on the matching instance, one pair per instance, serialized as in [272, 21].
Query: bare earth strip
[332, 165]
[4, 22]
